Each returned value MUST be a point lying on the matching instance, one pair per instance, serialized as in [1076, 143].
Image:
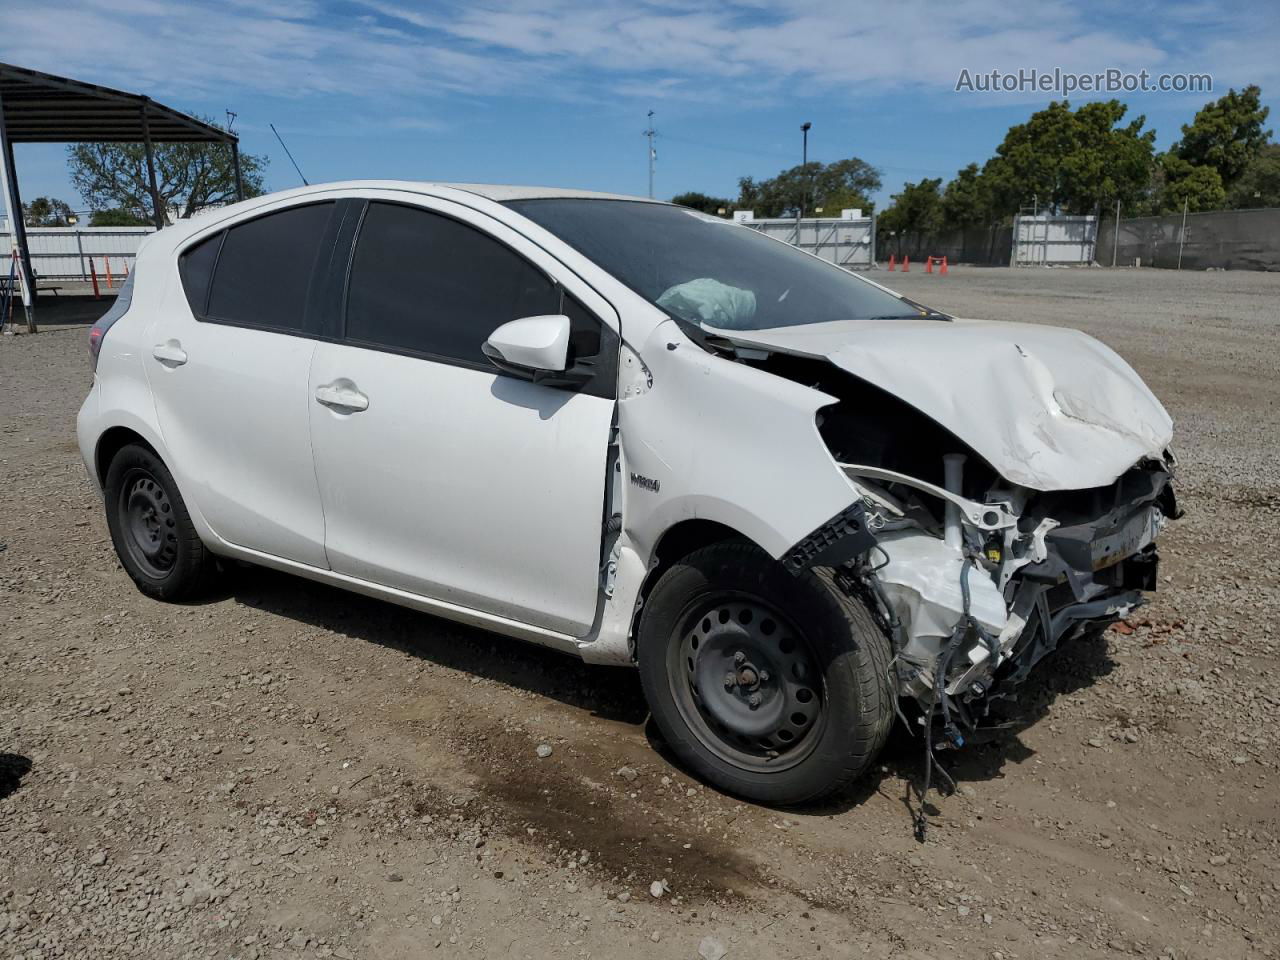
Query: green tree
[967, 200]
[1226, 134]
[703, 202]
[189, 176]
[1110, 161]
[1200, 187]
[117, 218]
[832, 186]
[915, 214]
[1072, 161]
[46, 212]
[1259, 185]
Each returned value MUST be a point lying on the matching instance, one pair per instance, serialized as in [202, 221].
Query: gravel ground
[291, 771]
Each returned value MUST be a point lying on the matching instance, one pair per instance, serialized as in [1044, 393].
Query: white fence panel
[1048, 239]
[64, 253]
[846, 243]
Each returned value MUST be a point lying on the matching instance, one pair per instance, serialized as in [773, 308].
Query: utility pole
[1115, 240]
[1182, 234]
[653, 154]
[804, 162]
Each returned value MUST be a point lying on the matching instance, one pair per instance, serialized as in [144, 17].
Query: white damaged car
[800, 503]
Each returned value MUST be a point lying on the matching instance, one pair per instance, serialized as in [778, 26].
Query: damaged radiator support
[973, 603]
[972, 596]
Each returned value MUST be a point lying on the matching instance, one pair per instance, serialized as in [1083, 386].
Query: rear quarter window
[195, 267]
[264, 267]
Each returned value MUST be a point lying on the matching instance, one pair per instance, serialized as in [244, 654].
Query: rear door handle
[342, 395]
[170, 353]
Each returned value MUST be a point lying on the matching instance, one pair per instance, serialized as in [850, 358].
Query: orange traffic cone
[891, 263]
[906, 264]
[944, 266]
[928, 265]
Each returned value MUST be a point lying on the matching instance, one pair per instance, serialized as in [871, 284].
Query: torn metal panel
[1048, 407]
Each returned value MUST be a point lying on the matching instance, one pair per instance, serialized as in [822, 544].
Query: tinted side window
[593, 345]
[584, 329]
[196, 269]
[424, 283]
[265, 267]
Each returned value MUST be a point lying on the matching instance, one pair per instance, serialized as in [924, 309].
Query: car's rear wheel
[151, 530]
[772, 687]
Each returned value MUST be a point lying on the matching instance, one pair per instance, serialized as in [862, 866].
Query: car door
[438, 475]
[228, 365]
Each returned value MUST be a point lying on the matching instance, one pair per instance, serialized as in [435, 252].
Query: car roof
[500, 192]
[497, 192]
[177, 233]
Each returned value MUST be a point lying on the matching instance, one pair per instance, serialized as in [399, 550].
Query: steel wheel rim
[746, 682]
[147, 524]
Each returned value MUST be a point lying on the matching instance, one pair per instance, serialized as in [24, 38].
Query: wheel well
[111, 443]
[680, 541]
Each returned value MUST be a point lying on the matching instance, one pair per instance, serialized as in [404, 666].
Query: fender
[715, 440]
[718, 440]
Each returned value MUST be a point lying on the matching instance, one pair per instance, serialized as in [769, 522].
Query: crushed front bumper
[970, 622]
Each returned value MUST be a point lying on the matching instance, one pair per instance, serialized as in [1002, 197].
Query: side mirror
[536, 349]
[533, 343]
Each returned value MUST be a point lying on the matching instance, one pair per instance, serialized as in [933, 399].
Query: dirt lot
[291, 771]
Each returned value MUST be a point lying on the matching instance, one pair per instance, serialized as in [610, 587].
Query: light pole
[653, 154]
[804, 162]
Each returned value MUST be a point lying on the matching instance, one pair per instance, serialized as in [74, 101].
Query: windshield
[710, 271]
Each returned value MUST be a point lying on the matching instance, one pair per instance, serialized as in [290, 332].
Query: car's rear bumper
[87, 434]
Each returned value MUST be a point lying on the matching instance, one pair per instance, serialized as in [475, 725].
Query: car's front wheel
[769, 686]
[151, 530]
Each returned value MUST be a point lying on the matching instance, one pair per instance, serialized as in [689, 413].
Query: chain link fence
[1223, 239]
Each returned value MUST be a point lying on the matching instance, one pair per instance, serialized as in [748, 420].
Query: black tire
[151, 530]
[729, 613]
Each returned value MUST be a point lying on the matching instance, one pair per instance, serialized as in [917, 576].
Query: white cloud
[205, 49]
[571, 49]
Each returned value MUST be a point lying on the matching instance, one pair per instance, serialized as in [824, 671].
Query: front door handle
[170, 353]
[342, 395]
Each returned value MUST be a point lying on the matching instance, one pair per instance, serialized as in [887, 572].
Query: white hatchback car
[627, 430]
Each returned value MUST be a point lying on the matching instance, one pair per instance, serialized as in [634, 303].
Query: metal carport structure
[40, 107]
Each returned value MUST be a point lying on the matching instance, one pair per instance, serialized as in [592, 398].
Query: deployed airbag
[711, 302]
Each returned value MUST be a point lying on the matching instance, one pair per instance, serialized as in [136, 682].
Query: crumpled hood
[1048, 407]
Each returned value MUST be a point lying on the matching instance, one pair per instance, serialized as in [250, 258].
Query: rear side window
[425, 284]
[264, 269]
[196, 270]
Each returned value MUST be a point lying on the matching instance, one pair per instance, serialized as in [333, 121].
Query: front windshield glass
[710, 271]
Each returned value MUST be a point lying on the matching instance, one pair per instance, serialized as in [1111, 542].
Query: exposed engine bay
[974, 578]
[1012, 577]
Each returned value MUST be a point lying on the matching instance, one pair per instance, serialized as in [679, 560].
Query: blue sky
[556, 91]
